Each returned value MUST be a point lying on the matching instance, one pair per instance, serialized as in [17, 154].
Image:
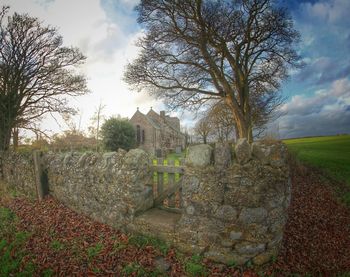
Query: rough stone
[246, 182]
[235, 235]
[191, 184]
[190, 210]
[161, 264]
[246, 248]
[252, 215]
[226, 213]
[276, 214]
[187, 247]
[277, 155]
[144, 200]
[68, 157]
[207, 238]
[222, 155]
[260, 153]
[205, 192]
[199, 155]
[242, 150]
[136, 157]
[262, 258]
[226, 243]
[225, 256]
[276, 202]
[242, 196]
[275, 241]
[122, 152]
[257, 233]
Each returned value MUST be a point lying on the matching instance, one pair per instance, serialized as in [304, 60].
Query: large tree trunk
[242, 121]
[248, 122]
[250, 134]
[15, 138]
[242, 129]
[5, 137]
[6, 126]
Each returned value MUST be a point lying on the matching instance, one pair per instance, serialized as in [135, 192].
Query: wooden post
[1, 165]
[40, 175]
[181, 161]
[178, 198]
[171, 182]
[160, 181]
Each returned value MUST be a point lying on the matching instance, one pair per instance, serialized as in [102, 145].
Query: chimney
[162, 114]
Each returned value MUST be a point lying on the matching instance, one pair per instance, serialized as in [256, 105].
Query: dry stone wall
[235, 207]
[108, 187]
[234, 198]
[18, 172]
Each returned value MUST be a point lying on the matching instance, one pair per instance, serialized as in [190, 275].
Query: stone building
[156, 133]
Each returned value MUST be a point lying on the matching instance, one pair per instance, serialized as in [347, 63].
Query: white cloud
[130, 3]
[333, 11]
[324, 112]
[341, 88]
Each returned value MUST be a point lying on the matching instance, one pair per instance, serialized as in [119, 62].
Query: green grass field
[330, 154]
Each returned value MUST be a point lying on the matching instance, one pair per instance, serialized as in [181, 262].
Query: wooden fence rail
[167, 183]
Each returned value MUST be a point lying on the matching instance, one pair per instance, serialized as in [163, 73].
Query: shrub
[117, 133]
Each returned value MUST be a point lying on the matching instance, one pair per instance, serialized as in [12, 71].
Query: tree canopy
[204, 128]
[117, 133]
[194, 51]
[37, 73]
[222, 122]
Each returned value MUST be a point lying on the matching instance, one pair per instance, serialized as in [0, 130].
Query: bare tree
[96, 121]
[222, 122]
[70, 140]
[188, 135]
[203, 128]
[264, 109]
[194, 51]
[36, 73]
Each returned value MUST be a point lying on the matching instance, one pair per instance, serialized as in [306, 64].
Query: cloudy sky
[318, 96]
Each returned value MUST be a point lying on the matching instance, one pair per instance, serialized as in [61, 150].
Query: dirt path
[317, 234]
[316, 241]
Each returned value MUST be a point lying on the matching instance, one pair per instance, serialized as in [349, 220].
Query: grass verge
[329, 154]
[11, 246]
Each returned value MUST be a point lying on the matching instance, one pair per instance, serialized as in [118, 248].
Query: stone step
[157, 223]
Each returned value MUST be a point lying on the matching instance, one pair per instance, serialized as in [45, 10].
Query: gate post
[41, 181]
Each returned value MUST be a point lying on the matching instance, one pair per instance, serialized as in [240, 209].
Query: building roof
[152, 122]
[165, 122]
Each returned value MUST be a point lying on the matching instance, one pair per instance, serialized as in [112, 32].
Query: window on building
[138, 134]
[143, 137]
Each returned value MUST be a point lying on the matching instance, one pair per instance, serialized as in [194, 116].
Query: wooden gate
[167, 184]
